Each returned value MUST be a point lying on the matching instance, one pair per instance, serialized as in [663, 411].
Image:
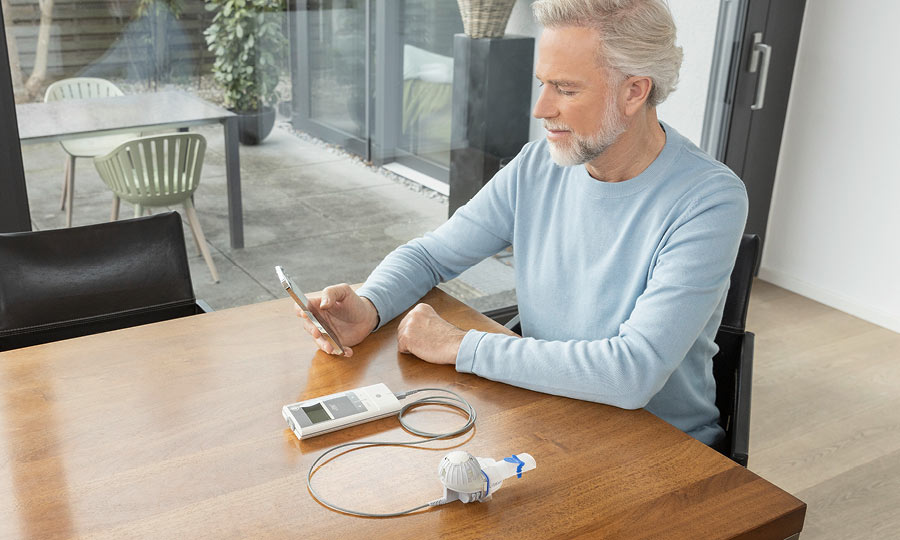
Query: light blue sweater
[621, 286]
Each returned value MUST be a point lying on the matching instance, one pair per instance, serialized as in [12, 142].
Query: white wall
[834, 225]
[696, 22]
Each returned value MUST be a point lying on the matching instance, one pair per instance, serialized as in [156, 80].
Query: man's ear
[637, 90]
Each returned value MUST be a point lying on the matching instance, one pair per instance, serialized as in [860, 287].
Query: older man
[624, 235]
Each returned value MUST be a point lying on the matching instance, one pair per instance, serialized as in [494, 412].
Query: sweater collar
[649, 177]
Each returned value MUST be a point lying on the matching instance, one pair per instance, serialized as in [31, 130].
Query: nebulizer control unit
[465, 478]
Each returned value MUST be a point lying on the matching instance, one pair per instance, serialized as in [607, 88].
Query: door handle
[760, 56]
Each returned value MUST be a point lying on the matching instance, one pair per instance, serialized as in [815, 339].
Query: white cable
[458, 402]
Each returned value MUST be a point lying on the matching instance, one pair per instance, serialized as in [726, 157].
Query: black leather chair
[732, 365]
[64, 283]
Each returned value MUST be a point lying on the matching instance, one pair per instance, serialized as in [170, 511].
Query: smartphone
[300, 299]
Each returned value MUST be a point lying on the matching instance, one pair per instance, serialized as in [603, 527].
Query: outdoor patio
[324, 215]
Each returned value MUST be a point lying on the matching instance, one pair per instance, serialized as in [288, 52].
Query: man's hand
[425, 334]
[350, 315]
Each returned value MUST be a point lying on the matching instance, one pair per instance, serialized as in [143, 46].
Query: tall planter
[491, 104]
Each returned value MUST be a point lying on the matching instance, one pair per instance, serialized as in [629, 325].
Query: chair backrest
[81, 88]
[738, 300]
[155, 170]
[64, 283]
[733, 364]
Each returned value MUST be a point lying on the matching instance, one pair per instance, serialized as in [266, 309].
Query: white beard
[582, 149]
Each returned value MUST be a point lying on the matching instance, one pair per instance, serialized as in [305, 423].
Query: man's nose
[545, 106]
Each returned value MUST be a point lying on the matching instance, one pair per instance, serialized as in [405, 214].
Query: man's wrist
[375, 321]
[455, 344]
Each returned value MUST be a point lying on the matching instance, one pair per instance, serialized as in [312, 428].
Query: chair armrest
[514, 324]
[508, 316]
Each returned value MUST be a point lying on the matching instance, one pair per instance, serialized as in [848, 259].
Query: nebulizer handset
[465, 477]
[469, 478]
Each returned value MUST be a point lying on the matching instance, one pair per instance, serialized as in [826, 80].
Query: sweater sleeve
[688, 280]
[477, 230]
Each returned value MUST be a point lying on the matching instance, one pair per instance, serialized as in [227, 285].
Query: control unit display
[336, 411]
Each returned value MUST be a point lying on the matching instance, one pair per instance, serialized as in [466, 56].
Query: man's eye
[559, 90]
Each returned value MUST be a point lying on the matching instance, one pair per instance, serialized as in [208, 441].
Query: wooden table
[174, 430]
[75, 118]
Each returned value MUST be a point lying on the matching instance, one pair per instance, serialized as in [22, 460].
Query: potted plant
[247, 40]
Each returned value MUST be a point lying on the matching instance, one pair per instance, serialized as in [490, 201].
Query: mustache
[549, 126]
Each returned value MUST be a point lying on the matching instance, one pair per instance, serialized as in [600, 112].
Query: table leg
[233, 179]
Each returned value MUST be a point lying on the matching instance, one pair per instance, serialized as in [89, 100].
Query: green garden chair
[83, 88]
[160, 170]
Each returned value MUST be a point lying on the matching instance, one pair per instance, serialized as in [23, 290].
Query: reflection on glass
[140, 45]
[428, 29]
[135, 61]
[337, 64]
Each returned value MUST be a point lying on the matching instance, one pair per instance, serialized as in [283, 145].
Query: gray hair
[637, 37]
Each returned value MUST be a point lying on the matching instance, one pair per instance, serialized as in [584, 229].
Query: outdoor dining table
[75, 118]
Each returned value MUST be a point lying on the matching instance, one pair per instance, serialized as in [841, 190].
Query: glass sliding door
[427, 30]
[719, 100]
[376, 77]
[331, 60]
[338, 66]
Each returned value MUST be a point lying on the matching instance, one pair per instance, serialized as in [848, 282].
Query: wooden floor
[825, 422]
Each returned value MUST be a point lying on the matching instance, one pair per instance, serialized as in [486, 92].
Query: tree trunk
[39, 73]
[15, 67]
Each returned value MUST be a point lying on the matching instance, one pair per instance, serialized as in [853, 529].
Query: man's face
[578, 102]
